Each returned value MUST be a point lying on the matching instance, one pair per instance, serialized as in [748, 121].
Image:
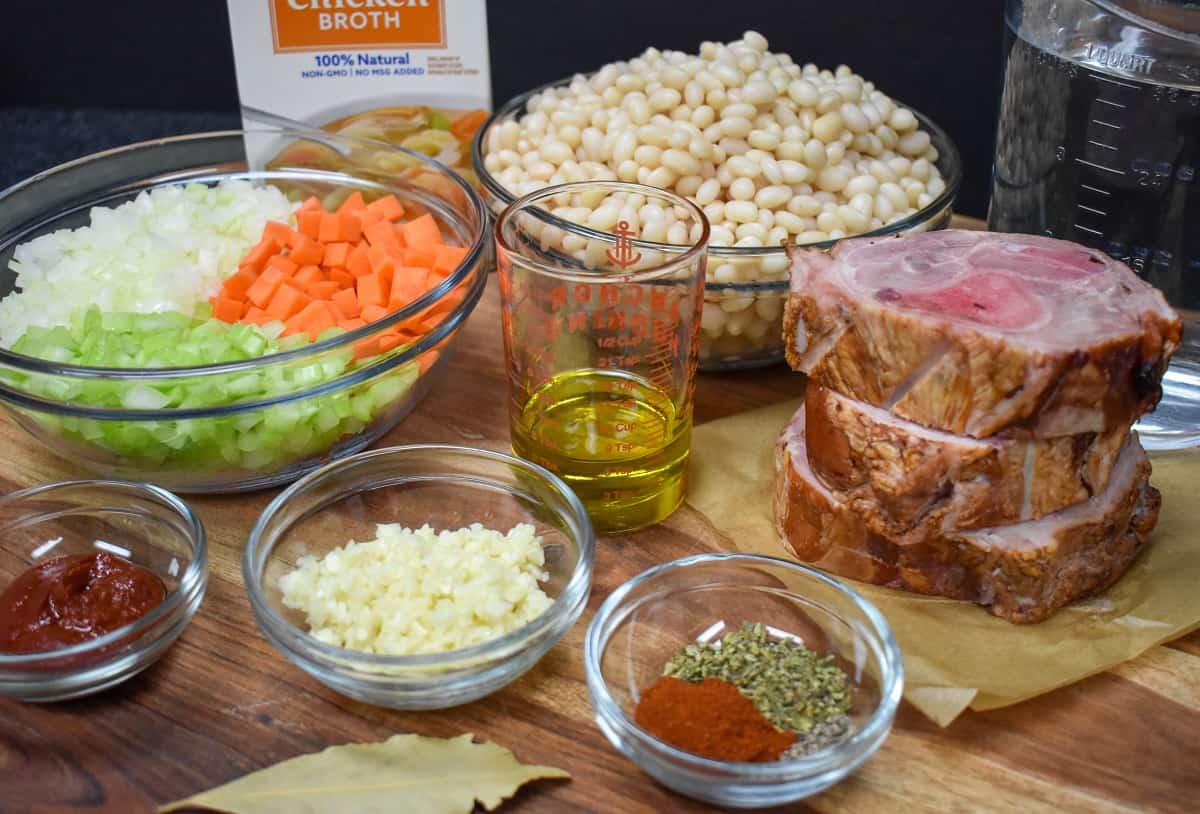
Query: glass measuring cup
[1098, 142]
[602, 284]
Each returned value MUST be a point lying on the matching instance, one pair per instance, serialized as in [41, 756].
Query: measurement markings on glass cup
[1092, 209]
[1102, 144]
[1097, 190]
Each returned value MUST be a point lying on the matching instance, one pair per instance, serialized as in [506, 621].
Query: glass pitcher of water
[1099, 142]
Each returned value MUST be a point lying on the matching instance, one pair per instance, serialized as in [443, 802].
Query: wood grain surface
[223, 702]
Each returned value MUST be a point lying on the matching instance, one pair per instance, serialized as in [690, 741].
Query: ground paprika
[710, 718]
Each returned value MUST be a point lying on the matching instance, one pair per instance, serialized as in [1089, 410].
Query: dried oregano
[793, 687]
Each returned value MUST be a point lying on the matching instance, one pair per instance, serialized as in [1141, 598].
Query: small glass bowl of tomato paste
[97, 579]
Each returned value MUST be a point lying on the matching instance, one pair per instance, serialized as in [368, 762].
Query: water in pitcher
[1098, 142]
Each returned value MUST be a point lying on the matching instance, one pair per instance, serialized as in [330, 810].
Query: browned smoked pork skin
[908, 482]
[1021, 572]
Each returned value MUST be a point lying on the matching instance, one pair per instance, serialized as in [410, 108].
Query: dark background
[77, 76]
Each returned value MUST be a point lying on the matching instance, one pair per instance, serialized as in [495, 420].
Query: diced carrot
[287, 302]
[381, 235]
[464, 126]
[388, 206]
[352, 324]
[309, 223]
[308, 275]
[262, 251]
[366, 347]
[336, 254]
[344, 279]
[434, 314]
[422, 232]
[303, 318]
[256, 316]
[347, 302]
[324, 319]
[236, 285]
[386, 343]
[264, 288]
[306, 251]
[369, 216]
[284, 264]
[408, 283]
[281, 233]
[357, 262]
[292, 326]
[382, 265]
[374, 313]
[312, 203]
[349, 227]
[371, 291]
[228, 310]
[448, 259]
[377, 256]
[433, 279]
[330, 231]
[354, 203]
[323, 289]
[423, 257]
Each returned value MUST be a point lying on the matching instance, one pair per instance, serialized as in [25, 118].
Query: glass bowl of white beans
[774, 152]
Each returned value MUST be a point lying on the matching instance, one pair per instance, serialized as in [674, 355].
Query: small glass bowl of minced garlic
[422, 576]
[742, 680]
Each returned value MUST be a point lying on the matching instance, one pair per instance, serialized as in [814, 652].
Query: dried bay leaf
[409, 773]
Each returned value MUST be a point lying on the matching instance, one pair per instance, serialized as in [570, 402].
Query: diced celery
[141, 397]
[362, 406]
[262, 440]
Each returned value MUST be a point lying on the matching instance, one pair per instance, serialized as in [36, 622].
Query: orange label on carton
[316, 25]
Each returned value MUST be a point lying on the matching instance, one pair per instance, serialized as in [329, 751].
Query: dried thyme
[823, 734]
[793, 687]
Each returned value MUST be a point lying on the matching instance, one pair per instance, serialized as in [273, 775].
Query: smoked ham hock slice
[907, 481]
[977, 333]
[1022, 572]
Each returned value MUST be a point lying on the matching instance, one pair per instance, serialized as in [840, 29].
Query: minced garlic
[421, 591]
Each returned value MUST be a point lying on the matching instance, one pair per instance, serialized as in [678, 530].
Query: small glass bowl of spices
[97, 579]
[742, 680]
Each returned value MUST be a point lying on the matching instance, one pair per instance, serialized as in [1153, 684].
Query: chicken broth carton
[409, 72]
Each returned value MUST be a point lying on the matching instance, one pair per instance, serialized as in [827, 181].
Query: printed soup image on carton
[408, 72]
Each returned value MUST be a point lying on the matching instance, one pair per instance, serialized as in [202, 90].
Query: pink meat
[978, 333]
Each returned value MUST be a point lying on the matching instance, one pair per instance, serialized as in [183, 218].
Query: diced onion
[166, 250]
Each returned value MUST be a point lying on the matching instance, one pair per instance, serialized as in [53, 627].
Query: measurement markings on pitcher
[1092, 209]
[1094, 165]
[1102, 144]
[1115, 82]
[1097, 190]
[1089, 230]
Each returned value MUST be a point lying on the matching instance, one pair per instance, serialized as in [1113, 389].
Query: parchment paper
[956, 654]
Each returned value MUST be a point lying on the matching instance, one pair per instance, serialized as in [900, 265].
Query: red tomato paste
[73, 599]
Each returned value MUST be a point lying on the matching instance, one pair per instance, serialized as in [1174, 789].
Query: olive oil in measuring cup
[601, 337]
[615, 438]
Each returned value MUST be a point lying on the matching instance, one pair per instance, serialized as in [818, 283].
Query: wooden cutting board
[223, 702]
